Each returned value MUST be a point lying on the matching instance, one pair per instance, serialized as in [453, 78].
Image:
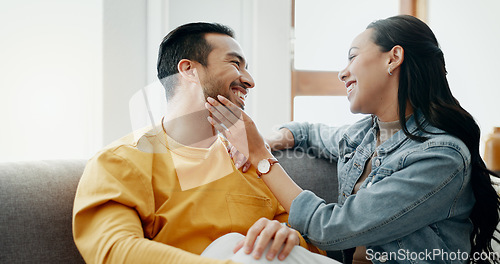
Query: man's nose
[247, 80]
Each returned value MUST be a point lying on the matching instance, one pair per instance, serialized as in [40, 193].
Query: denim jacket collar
[399, 137]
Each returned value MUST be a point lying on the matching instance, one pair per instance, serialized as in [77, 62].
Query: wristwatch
[264, 166]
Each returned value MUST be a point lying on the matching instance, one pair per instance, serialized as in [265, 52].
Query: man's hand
[268, 230]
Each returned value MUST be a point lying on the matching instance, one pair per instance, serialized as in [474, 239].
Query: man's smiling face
[226, 71]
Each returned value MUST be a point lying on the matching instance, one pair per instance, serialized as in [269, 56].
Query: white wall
[272, 58]
[469, 35]
[323, 35]
[263, 30]
[124, 63]
[467, 31]
[324, 30]
[69, 68]
[51, 78]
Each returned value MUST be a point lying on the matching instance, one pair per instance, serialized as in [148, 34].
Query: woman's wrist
[263, 153]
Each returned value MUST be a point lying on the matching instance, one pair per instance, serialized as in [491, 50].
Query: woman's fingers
[217, 126]
[238, 128]
[226, 113]
[240, 161]
[246, 167]
[232, 107]
[232, 127]
[220, 118]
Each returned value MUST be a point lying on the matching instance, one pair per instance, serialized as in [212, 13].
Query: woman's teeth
[350, 88]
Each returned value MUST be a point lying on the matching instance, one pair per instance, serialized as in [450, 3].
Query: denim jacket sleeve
[319, 139]
[428, 186]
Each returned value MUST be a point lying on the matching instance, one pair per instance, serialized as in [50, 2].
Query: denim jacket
[413, 207]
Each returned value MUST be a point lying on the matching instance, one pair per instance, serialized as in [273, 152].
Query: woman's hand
[242, 133]
[266, 230]
[240, 161]
[238, 128]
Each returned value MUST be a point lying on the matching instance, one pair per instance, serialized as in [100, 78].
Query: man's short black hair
[185, 42]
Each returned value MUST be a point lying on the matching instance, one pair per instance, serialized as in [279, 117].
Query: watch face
[263, 166]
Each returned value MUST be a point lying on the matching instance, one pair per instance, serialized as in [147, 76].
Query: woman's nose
[343, 74]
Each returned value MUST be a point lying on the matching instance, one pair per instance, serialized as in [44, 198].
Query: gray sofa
[36, 204]
[36, 201]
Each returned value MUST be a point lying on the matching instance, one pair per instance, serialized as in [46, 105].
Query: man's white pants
[222, 248]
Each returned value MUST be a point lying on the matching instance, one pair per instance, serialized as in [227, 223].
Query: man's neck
[186, 122]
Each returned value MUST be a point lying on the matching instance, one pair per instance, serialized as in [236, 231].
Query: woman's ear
[187, 70]
[396, 57]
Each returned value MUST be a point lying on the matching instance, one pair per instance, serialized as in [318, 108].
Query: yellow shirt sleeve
[106, 226]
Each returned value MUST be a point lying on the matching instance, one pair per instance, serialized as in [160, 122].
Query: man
[165, 197]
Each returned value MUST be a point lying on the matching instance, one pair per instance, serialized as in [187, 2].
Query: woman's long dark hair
[424, 85]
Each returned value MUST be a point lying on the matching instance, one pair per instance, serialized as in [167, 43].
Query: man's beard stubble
[212, 88]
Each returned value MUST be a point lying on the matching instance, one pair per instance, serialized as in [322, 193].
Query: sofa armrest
[36, 209]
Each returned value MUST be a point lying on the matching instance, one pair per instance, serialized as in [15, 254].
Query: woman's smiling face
[366, 77]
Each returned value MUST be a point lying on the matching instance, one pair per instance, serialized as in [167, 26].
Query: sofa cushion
[316, 175]
[36, 204]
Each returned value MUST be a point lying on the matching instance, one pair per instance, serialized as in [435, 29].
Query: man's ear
[396, 57]
[187, 70]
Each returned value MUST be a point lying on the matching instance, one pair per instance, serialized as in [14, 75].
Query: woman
[413, 186]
